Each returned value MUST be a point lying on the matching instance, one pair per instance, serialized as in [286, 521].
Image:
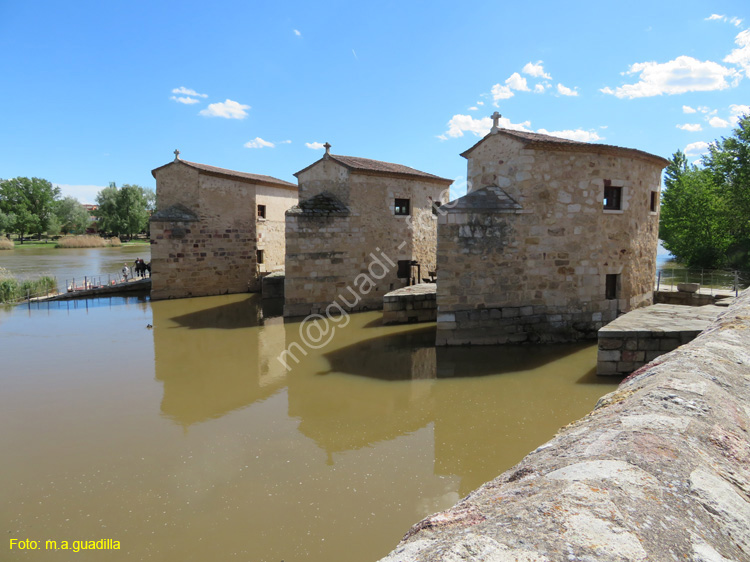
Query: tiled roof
[322, 204]
[548, 142]
[490, 198]
[366, 165]
[232, 174]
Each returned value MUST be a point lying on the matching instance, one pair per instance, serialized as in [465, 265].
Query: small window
[654, 201]
[611, 288]
[435, 207]
[612, 196]
[261, 211]
[259, 256]
[401, 207]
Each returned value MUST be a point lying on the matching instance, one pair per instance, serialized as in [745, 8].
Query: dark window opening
[654, 201]
[612, 196]
[611, 286]
[261, 211]
[401, 207]
[259, 256]
[404, 269]
[435, 207]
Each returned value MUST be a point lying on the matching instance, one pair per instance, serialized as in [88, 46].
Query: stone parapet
[659, 471]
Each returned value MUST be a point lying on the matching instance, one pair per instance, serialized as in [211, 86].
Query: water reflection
[214, 356]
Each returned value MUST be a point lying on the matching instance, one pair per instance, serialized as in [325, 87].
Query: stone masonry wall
[271, 237]
[330, 256]
[539, 273]
[659, 471]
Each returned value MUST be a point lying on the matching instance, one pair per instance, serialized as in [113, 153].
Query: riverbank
[658, 471]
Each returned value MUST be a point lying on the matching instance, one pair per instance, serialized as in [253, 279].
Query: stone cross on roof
[176, 154]
[495, 118]
[327, 146]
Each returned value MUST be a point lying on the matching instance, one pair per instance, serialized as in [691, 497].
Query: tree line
[34, 206]
[705, 207]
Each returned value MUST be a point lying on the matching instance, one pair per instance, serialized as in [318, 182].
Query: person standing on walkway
[125, 271]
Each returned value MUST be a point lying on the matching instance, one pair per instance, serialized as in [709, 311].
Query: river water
[191, 441]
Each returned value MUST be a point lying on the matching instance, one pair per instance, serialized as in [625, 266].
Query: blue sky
[94, 92]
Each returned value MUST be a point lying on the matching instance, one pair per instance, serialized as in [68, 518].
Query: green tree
[705, 211]
[125, 210]
[31, 201]
[72, 216]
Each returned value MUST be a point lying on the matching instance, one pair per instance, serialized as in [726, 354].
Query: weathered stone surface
[412, 304]
[659, 471]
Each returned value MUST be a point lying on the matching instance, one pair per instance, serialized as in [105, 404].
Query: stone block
[610, 343]
[609, 355]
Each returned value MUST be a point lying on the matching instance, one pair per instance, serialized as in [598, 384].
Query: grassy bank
[14, 290]
[87, 241]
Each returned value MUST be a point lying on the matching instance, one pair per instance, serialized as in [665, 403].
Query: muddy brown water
[191, 441]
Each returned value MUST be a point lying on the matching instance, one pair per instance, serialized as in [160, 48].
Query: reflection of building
[216, 231]
[349, 209]
[213, 359]
[554, 238]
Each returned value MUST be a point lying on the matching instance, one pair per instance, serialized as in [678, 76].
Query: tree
[705, 211]
[125, 210]
[72, 217]
[31, 201]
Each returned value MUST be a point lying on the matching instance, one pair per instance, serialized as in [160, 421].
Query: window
[401, 207]
[261, 211]
[654, 201]
[435, 206]
[612, 196]
[611, 286]
[259, 256]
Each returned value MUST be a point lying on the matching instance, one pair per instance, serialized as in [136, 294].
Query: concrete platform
[640, 336]
[417, 303]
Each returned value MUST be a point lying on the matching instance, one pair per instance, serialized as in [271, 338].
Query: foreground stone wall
[525, 255]
[659, 471]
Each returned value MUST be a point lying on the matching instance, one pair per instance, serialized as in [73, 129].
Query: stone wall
[271, 230]
[526, 258]
[417, 303]
[332, 256]
[659, 471]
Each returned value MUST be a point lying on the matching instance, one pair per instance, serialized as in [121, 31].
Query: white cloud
[692, 127]
[258, 142]
[718, 122]
[185, 99]
[500, 92]
[683, 74]
[738, 111]
[708, 110]
[535, 70]
[298, 33]
[563, 91]
[517, 82]
[716, 17]
[460, 124]
[688, 109]
[696, 148]
[735, 21]
[539, 88]
[315, 145]
[741, 56]
[285, 142]
[570, 134]
[84, 193]
[473, 108]
[228, 110]
[188, 92]
[480, 103]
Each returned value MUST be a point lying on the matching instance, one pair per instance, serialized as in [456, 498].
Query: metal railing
[709, 280]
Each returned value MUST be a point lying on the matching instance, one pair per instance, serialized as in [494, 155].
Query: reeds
[6, 244]
[87, 241]
[14, 290]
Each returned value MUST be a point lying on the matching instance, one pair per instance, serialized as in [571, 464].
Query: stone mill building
[362, 228]
[215, 231]
[553, 239]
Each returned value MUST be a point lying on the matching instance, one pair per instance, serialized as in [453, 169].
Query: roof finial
[495, 118]
[327, 146]
[176, 154]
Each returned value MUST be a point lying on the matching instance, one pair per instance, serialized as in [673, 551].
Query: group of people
[140, 269]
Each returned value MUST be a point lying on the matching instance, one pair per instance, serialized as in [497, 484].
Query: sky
[99, 92]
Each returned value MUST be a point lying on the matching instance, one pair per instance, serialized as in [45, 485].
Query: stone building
[362, 228]
[553, 239]
[215, 231]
